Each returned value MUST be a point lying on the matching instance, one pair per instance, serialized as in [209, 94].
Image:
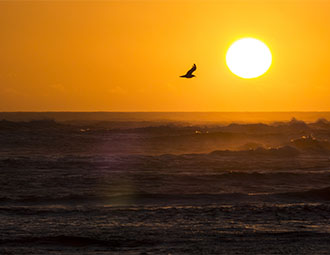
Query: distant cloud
[58, 86]
[117, 91]
[10, 91]
[11, 75]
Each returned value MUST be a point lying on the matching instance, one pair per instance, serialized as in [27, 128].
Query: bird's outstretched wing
[193, 69]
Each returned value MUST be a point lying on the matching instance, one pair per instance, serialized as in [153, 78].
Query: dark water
[132, 187]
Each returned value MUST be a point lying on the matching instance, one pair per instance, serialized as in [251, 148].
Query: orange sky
[127, 55]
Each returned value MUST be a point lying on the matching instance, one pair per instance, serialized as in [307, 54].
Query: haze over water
[216, 117]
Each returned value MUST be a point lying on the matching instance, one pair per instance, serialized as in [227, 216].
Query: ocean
[164, 183]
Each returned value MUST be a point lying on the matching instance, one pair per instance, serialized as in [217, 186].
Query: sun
[248, 58]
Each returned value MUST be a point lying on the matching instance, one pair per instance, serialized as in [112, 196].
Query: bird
[189, 74]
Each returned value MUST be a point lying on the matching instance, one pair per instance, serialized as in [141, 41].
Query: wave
[285, 151]
[116, 243]
[51, 161]
[313, 194]
[170, 127]
[159, 198]
[157, 138]
[72, 199]
[37, 199]
[78, 241]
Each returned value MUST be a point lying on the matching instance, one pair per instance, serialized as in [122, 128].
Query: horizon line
[55, 111]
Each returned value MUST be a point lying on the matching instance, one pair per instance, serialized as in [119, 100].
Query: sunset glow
[128, 55]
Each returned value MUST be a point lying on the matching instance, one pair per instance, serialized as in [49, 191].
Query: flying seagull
[189, 73]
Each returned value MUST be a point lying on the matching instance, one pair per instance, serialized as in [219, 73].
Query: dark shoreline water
[122, 187]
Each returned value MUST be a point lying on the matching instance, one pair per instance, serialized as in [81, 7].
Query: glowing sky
[128, 55]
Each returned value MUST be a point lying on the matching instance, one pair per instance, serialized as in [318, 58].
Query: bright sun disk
[248, 58]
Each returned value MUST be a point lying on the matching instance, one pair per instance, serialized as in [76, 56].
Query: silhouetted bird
[189, 73]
